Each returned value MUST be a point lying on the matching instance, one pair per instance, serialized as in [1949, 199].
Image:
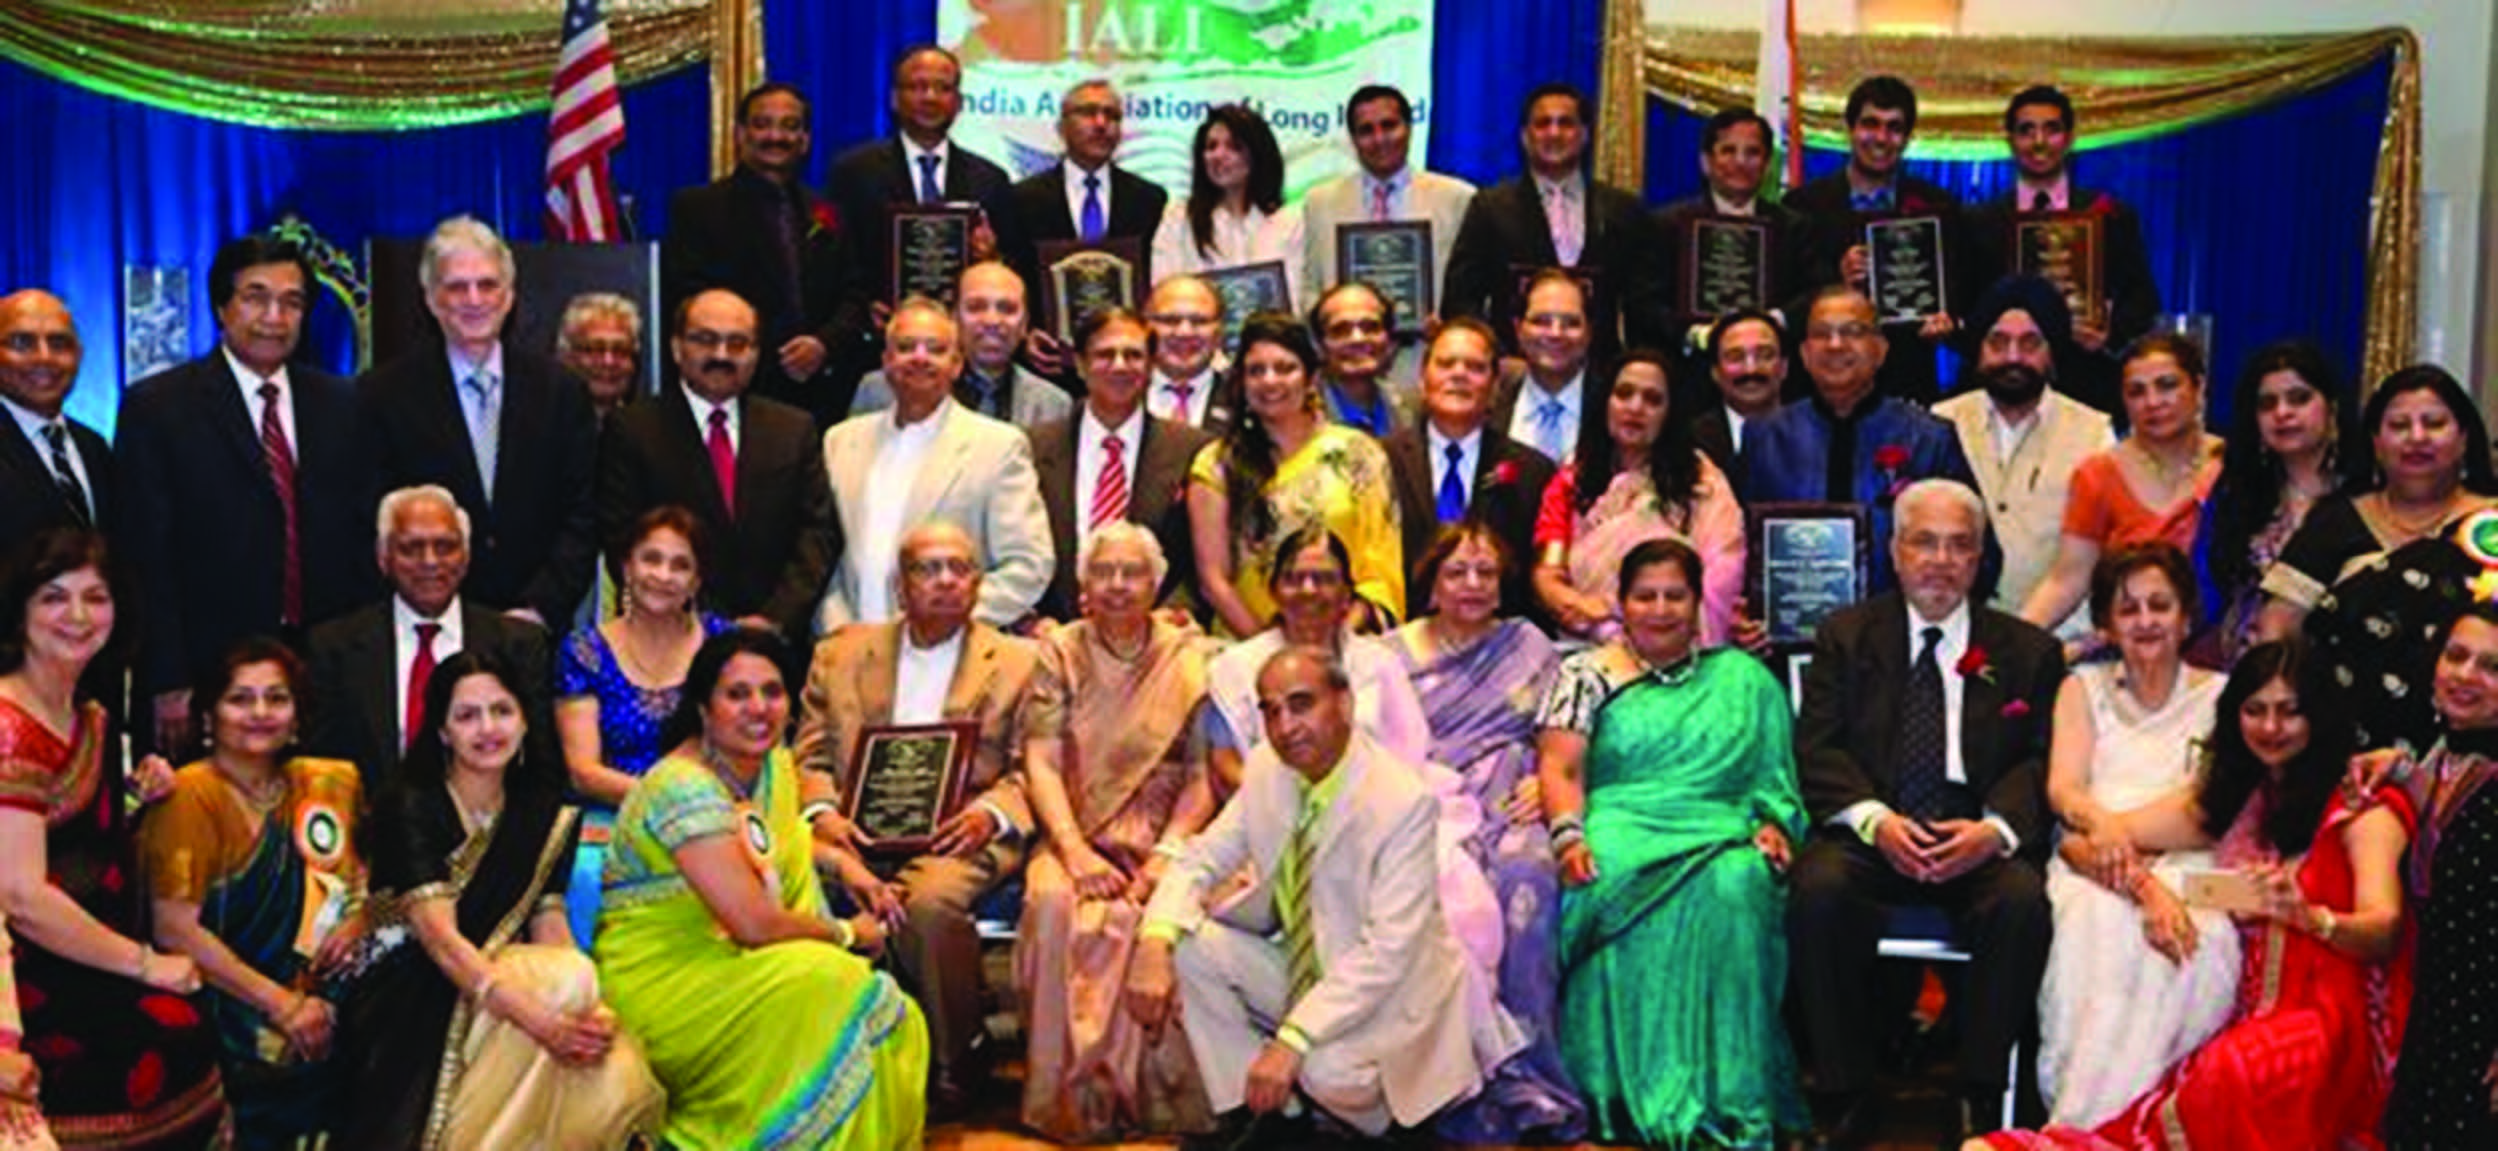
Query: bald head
[940, 574]
[716, 345]
[990, 309]
[39, 351]
[1187, 319]
[1307, 704]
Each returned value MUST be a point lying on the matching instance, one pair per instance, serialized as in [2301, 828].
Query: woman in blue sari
[1669, 785]
[1480, 678]
[617, 682]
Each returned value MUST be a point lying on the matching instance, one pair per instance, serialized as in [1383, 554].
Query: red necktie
[420, 672]
[1183, 393]
[1110, 489]
[282, 475]
[1379, 202]
[723, 459]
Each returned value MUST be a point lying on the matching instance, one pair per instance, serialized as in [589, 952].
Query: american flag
[587, 125]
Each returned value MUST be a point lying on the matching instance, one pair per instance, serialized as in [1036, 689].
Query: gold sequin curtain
[2129, 89]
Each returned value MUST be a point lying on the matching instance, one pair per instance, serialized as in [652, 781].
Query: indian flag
[1774, 92]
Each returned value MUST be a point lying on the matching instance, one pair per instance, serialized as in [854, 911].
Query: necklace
[1101, 635]
[636, 666]
[2166, 474]
[475, 821]
[260, 798]
[2412, 527]
[719, 764]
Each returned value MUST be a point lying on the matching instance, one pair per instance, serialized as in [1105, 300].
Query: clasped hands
[1936, 852]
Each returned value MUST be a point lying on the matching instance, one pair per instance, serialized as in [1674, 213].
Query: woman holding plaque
[1234, 215]
[1669, 785]
[476, 1022]
[1480, 677]
[253, 869]
[2293, 440]
[2324, 974]
[1655, 485]
[715, 946]
[2134, 980]
[617, 681]
[2149, 487]
[1117, 784]
[1279, 468]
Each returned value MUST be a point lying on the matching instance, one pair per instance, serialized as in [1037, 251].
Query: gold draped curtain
[2129, 88]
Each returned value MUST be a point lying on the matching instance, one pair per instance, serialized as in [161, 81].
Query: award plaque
[1078, 280]
[1260, 287]
[1807, 560]
[1726, 261]
[931, 247]
[906, 780]
[1904, 259]
[2063, 249]
[1394, 258]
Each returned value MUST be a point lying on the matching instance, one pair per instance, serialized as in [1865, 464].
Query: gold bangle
[2323, 923]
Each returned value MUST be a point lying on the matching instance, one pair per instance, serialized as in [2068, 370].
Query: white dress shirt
[248, 383]
[2059, 193]
[1531, 396]
[32, 426]
[911, 152]
[1089, 436]
[1075, 194]
[1469, 460]
[923, 676]
[1734, 427]
[1726, 207]
[1165, 403]
[448, 642]
[702, 410]
[897, 467]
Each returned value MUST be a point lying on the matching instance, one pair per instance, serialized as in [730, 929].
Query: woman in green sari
[1669, 785]
[717, 952]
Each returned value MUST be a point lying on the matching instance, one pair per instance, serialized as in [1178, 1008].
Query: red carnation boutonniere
[1890, 463]
[1973, 664]
[1505, 472]
[822, 218]
[2102, 205]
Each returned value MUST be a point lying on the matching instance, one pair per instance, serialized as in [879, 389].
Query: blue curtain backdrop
[2260, 220]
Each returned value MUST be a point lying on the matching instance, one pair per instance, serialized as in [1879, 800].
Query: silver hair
[1123, 532]
[1940, 488]
[398, 501]
[925, 306]
[463, 234]
[590, 306]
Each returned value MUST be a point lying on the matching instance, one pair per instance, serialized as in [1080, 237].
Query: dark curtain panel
[2260, 220]
[839, 54]
[1485, 56]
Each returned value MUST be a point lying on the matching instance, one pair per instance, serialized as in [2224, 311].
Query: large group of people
[1367, 727]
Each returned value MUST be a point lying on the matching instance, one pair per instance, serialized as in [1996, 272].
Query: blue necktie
[1091, 227]
[1548, 428]
[485, 425]
[929, 193]
[1453, 489]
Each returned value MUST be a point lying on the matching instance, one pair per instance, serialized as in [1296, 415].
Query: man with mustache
[1747, 359]
[746, 466]
[1734, 164]
[2022, 436]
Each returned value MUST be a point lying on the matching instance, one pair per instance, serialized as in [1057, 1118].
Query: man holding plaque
[1554, 216]
[1921, 745]
[990, 309]
[891, 687]
[1890, 235]
[1186, 315]
[2022, 435]
[1727, 248]
[1847, 444]
[1085, 199]
[761, 233]
[1333, 976]
[919, 167]
[2086, 242]
[1387, 190]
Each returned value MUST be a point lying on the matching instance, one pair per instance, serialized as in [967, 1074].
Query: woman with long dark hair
[1234, 214]
[2293, 440]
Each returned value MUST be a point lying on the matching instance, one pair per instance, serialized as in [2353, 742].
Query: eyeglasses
[737, 343]
[932, 568]
[25, 343]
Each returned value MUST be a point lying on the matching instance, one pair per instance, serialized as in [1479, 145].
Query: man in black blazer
[54, 471]
[505, 429]
[1113, 350]
[363, 667]
[1747, 359]
[762, 233]
[1881, 116]
[916, 165]
[1051, 205]
[1734, 160]
[1604, 235]
[1490, 478]
[2038, 127]
[771, 524]
[1902, 815]
[246, 495]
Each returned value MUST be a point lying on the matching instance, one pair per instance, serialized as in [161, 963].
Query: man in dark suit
[1747, 359]
[761, 233]
[1734, 159]
[1921, 745]
[1084, 197]
[506, 430]
[1552, 215]
[370, 666]
[2038, 127]
[246, 494]
[1186, 315]
[54, 471]
[1457, 465]
[917, 165]
[1881, 116]
[751, 469]
[1077, 462]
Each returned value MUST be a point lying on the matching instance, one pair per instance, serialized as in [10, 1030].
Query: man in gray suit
[1387, 188]
[929, 457]
[991, 311]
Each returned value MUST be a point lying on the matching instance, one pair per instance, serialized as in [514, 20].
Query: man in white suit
[925, 458]
[992, 312]
[1334, 973]
[1387, 188]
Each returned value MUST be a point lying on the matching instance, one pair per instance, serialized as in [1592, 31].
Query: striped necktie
[1292, 895]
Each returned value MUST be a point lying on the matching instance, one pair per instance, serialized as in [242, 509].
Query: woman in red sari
[2307, 1060]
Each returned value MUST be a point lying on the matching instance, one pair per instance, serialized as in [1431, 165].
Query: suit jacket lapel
[438, 402]
[1539, 231]
[230, 422]
[1416, 453]
[1332, 822]
[882, 659]
[938, 469]
[963, 697]
[687, 443]
[376, 672]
